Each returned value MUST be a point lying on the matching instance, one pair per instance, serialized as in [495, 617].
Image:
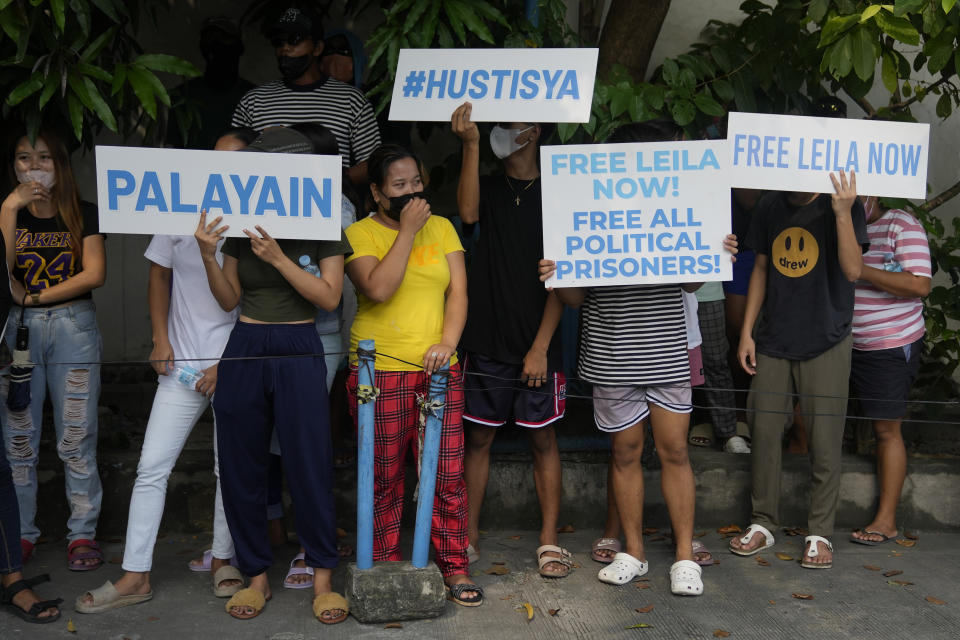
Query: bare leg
[476, 472]
[548, 477]
[627, 475]
[676, 478]
[611, 527]
[891, 471]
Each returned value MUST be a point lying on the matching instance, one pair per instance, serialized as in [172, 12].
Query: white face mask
[504, 141]
[46, 178]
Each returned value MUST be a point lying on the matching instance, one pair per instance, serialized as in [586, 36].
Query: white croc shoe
[624, 568]
[685, 578]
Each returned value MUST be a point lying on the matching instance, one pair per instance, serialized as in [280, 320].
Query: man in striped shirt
[305, 94]
[887, 340]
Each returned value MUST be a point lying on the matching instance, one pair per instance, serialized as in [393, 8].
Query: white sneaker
[736, 444]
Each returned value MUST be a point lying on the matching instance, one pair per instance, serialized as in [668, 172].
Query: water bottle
[889, 264]
[309, 266]
[186, 375]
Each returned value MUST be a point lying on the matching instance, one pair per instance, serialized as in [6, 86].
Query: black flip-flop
[455, 594]
[871, 543]
[31, 615]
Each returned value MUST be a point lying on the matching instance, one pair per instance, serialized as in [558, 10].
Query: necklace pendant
[517, 200]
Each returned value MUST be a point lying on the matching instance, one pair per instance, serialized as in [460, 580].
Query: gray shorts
[617, 407]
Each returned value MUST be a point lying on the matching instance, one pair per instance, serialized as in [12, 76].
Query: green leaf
[817, 10]
[902, 7]
[708, 105]
[721, 57]
[947, 5]
[654, 95]
[168, 64]
[94, 48]
[4, 4]
[429, 28]
[939, 51]
[158, 88]
[119, 77]
[10, 23]
[143, 89]
[59, 14]
[25, 89]
[944, 106]
[566, 130]
[723, 89]
[444, 37]
[888, 72]
[93, 70]
[456, 23]
[864, 55]
[869, 12]
[414, 15]
[108, 7]
[836, 27]
[100, 106]
[81, 10]
[744, 98]
[683, 112]
[76, 115]
[670, 71]
[842, 59]
[50, 85]
[900, 28]
[473, 22]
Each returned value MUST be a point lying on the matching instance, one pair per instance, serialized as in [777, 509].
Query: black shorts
[494, 395]
[882, 379]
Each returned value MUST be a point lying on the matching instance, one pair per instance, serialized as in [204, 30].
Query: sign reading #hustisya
[162, 191]
[797, 153]
[641, 213]
[504, 85]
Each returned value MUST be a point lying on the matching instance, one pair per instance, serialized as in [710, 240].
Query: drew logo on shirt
[795, 252]
[425, 255]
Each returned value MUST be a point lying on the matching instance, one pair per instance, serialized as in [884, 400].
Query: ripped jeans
[63, 334]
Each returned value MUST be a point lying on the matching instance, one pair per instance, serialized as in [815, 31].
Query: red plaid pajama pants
[396, 419]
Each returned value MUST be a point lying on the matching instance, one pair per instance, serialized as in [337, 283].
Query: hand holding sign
[463, 126]
[845, 193]
[209, 235]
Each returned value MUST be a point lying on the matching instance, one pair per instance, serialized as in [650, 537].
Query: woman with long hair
[56, 258]
[411, 283]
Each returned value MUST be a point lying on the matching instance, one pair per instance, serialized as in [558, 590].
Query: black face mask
[292, 68]
[397, 204]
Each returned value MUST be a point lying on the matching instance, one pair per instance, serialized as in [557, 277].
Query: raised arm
[468, 188]
[849, 252]
[570, 296]
[224, 282]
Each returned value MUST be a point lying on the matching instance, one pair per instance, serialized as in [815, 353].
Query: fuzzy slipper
[223, 574]
[327, 603]
[250, 598]
[605, 544]
[106, 597]
[298, 571]
[700, 548]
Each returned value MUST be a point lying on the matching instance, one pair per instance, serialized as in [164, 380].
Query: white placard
[797, 153]
[504, 85]
[640, 213]
[162, 191]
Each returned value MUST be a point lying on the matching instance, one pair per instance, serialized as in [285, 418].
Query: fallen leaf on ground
[393, 625]
[529, 608]
[720, 633]
[514, 537]
[554, 612]
[646, 609]
[873, 567]
[891, 573]
[895, 554]
[763, 562]
[643, 585]
[341, 533]
[115, 560]
[911, 535]
[640, 625]
[730, 528]
[700, 535]
[795, 531]
[933, 600]
[650, 531]
[772, 601]
[643, 579]
[657, 539]
[906, 543]
[498, 562]
[732, 534]
[152, 619]
[802, 596]
[567, 528]
[900, 583]
[783, 556]
[509, 597]
[72, 628]
[498, 570]
[575, 565]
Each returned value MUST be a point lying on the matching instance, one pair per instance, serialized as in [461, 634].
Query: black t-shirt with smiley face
[808, 306]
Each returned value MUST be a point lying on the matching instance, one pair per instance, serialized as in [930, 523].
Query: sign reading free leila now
[162, 191]
[504, 85]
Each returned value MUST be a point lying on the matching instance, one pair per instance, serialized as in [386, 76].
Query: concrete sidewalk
[742, 597]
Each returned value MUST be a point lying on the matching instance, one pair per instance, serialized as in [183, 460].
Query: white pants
[175, 411]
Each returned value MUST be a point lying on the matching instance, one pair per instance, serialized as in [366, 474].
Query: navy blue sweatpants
[252, 397]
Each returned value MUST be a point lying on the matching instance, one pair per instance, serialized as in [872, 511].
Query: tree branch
[863, 104]
[900, 106]
[936, 201]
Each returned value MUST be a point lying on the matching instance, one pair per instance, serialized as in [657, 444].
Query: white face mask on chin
[46, 178]
[504, 141]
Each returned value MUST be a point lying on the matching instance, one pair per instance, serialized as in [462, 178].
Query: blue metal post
[365, 413]
[428, 471]
[532, 10]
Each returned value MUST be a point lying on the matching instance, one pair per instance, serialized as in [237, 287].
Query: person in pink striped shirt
[887, 340]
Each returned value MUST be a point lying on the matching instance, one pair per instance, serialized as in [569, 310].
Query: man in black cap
[305, 94]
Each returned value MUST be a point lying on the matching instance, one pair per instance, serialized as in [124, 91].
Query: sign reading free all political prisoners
[636, 213]
[162, 191]
[797, 153]
[504, 85]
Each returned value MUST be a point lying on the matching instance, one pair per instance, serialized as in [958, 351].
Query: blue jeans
[66, 334]
[9, 522]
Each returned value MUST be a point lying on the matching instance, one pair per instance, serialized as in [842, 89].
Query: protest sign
[162, 191]
[504, 85]
[640, 213]
[797, 153]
